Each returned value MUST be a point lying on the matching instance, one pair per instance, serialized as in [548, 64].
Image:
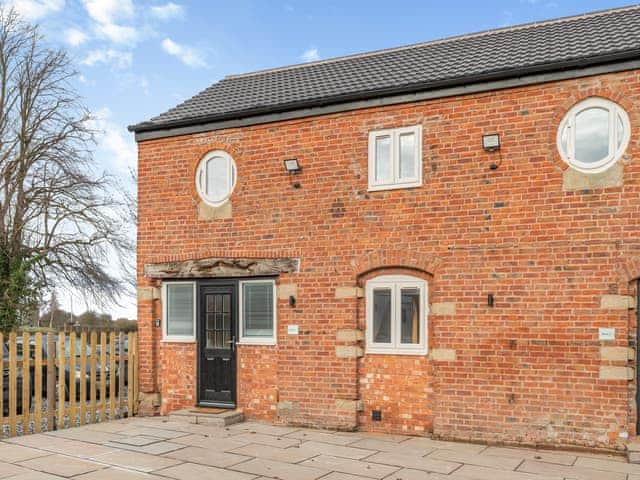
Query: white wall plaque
[293, 329]
[607, 333]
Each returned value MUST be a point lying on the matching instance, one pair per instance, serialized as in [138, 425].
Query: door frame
[200, 284]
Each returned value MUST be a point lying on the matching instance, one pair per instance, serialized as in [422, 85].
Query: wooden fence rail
[60, 380]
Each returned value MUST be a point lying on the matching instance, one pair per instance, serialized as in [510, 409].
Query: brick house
[441, 239]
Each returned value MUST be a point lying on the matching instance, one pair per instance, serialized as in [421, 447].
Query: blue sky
[137, 59]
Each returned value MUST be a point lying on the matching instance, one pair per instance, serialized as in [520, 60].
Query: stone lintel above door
[221, 267]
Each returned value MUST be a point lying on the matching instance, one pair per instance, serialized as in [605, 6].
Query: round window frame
[208, 156]
[617, 153]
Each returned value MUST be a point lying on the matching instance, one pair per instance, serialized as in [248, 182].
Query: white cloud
[108, 16]
[117, 59]
[75, 36]
[117, 33]
[167, 11]
[310, 55]
[187, 55]
[109, 11]
[116, 148]
[32, 10]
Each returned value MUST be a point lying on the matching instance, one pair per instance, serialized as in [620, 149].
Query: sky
[138, 59]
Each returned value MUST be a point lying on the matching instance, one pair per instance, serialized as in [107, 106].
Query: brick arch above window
[372, 263]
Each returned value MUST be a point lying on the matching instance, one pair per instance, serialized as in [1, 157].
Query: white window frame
[394, 134]
[615, 152]
[164, 298]
[232, 178]
[272, 340]
[395, 283]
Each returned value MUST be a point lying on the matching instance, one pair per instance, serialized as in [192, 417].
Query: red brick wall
[526, 370]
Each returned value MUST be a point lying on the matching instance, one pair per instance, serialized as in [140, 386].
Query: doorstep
[208, 416]
[633, 450]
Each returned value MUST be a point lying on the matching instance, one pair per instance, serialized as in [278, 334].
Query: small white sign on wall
[607, 333]
[293, 329]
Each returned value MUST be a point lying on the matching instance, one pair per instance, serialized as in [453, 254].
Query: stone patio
[154, 448]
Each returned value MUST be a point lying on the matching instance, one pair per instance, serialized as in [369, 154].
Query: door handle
[232, 342]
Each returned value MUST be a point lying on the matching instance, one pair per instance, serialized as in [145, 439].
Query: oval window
[593, 135]
[216, 177]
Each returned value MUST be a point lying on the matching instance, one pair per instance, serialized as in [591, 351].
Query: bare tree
[60, 220]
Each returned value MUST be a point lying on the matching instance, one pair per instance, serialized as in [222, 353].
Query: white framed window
[216, 177]
[395, 158]
[258, 322]
[396, 315]
[593, 135]
[179, 311]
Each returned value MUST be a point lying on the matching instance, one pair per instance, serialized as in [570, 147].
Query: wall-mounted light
[491, 142]
[292, 166]
[292, 301]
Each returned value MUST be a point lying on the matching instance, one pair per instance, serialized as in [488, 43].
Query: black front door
[216, 345]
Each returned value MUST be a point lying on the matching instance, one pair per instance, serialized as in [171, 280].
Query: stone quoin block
[618, 354]
[286, 290]
[349, 335]
[442, 308]
[207, 212]
[442, 354]
[617, 302]
[349, 292]
[347, 351]
[148, 293]
[616, 373]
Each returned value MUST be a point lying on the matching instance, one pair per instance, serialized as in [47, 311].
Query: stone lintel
[221, 267]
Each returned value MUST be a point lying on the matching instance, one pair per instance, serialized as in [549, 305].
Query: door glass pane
[382, 316]
[407, 156]
[257, 309]
[211, 324]
[592, 135]
[410, 316]
[211, 339]
[180, 309]
[217, 178]
[384, 168]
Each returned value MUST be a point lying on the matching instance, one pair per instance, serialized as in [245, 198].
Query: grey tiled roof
[583, 40]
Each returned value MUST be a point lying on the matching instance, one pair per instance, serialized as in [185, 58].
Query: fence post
[61, 380]
[37, 358]
[13, 383]
[51, 382]
[26, 381]
[83, 383]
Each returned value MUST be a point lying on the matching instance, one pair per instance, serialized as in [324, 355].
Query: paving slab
[142, 462]
[157, 448]
[531, 454]
[137, 440]
[33, 475]
[264, 428]
[442, 445]
[475, 472]
[279, 470]
[114, 473]
[9, 470]
[264, 439]
[572, 472]
[385, 437]
[207, 456]
[384, 446]
[347, 476]
[64, 446]
[213, 443]
[159, 432]
[61, 465]
[85, 435]
[286, 455]
[499, 463]
[414, 462]
[335, 450]
[409, 474]
[16, 453]
[192, 471]
[323, 437]
[353, 467]
[607, 466]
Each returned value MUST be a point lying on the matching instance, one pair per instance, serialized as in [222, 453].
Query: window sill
[266, 343]
[178, 340]
[399, 186]
[378, 351]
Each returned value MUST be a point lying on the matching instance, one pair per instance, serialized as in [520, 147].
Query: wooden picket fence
[57, 380]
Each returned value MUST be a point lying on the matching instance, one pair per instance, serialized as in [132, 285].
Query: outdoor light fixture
[491, 142]
[490, 300]
[292, 165]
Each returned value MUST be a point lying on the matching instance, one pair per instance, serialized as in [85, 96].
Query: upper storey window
[395, 158]
[216, 177]
[593, 135]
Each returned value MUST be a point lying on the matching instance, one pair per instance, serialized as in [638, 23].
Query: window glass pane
[407, 156]
[592, 135]
[257, 309]
[180, 309]
[382, 316]
[217, 178]
[384, 168]
[410, 316]
[619, 131]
